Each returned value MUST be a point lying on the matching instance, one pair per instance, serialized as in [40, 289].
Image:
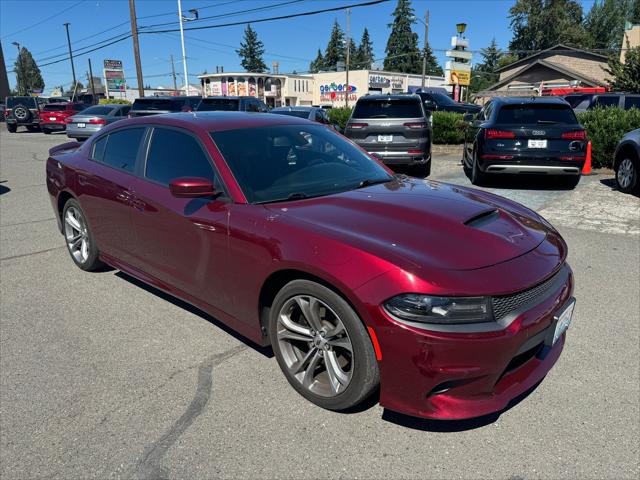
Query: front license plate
[537, 144]
[53, 119]
[81, 125]
[564, 319]
[385, 138]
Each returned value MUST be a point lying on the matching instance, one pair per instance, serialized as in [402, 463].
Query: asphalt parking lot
[102, 377]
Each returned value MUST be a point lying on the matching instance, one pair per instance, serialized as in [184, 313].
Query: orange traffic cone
[586, 168]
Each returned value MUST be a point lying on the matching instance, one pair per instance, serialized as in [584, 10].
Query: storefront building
[325, 89]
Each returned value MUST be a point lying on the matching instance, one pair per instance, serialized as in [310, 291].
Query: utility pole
[93, 88]
[184, 55]
[136, 47]
[426, 42]
[73, 69]
[346, 92]
[173, 75]
[21, 76]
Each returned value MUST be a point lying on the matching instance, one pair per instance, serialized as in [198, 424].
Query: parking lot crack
[151, 465]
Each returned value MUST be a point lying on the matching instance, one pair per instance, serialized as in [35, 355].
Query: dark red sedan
[451, 300]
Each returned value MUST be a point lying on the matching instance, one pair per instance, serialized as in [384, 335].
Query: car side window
[97, 153]
[252, 106]
[318, 117]
[121, 149]
[631, 101]
[262, 107]
[173, 154]
[607, 101]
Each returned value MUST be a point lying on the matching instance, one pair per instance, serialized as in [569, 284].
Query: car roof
[391, 96]
[529, 100]
[295, 109]
[223, 97]
[216, 121]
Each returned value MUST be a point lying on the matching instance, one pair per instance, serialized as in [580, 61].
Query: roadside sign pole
[346, 92]
[93, 89]
[73, 70]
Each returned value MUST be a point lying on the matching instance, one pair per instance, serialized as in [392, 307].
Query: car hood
[418, 224]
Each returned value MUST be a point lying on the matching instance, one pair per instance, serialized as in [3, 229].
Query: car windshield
[157, 104]
[532, 114]
[287, 162]
[29, 102]
[409, 108]
[442, 99]
[292, 113]
[98, 110]
[219, 104]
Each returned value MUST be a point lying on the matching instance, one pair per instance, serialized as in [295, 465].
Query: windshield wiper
[372, 181]
[382, 115]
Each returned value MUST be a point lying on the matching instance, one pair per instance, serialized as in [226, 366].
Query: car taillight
[416, 125]
[577, 135]
[98, 121]
[492, 133]
[357, 125]
[67, 119]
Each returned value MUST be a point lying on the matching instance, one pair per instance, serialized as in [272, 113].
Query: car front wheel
[627, 175]
[322, 346]
[78, 237]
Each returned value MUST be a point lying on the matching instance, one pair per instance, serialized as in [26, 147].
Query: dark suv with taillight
[23, 111]
[525, 136]
[395, 128]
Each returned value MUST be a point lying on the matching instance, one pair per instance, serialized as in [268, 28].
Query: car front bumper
[454, 375]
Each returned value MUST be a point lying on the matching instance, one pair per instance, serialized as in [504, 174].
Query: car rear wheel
[570, 182]
[46, 131]
[627, 175]
[322, 346]
[33, 128]
[78, 237]
[422, 170]
[478, 177]
[12, 127]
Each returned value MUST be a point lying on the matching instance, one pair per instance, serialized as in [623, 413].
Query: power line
[43, 20]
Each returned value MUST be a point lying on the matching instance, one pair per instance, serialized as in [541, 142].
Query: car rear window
[574, 100]
[158, 104]
[293, 113]
[29, 102]
[219, 104]
[52, 107]
[387, 109]
[528, 114]
[98, 110]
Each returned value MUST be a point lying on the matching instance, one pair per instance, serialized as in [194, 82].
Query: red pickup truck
[55, 116]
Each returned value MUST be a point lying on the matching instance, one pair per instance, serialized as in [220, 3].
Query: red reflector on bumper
[575, 157]
[376, 345]
[497, 157]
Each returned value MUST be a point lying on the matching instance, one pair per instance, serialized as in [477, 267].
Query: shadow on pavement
[445, 426]
[611, 183]
[4, 189]
[266, 351]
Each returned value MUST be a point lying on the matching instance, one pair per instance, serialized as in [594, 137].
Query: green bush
[605, 127]
[448, 128]
[339, 116]
[119, 101]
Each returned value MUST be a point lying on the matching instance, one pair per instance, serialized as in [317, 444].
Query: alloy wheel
[625, 173]
[76, 234]
[315, 345]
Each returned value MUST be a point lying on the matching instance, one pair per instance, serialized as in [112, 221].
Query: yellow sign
[459, 77]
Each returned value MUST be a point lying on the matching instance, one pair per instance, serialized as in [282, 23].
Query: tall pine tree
[605, 23]
[483, 74]
[335, 51]
[251, 51]
[402, 53]
[318, 64]
[626, 76]
[28, 74]
[634, 15]
[364, 55]
[432, 65]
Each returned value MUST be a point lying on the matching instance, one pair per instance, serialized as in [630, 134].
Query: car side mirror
[191, 187]
[468, 117]
[430, 105]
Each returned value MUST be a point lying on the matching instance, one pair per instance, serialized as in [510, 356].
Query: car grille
[503, 306]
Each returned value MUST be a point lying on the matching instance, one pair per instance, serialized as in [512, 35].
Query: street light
[424, 51]
[182, 18]
[22, 69]
[461, 27]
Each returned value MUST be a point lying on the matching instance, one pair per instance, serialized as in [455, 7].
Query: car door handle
[138, 204]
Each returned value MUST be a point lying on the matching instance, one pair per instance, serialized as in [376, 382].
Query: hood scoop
[483, 218]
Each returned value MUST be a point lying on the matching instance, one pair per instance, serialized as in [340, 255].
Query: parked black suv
[396, 128]
[524, 136]
[436, 101]
[23, 111]
[232, 104]
[588, 101]
[156, 105]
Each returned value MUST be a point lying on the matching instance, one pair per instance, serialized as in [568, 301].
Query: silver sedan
[92, 119]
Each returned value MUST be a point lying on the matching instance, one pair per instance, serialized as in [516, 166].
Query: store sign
[113, 64]
[36, 92]
[459, 77]
[115, 80]
[216, 88]
[397, 83]
[378, 81]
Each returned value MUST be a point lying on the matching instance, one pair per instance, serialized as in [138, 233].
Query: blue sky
[38, 25]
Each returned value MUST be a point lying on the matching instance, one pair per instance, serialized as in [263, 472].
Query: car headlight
[414, 307]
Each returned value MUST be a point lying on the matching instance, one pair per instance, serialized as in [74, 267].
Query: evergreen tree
[626, 76]
[28, 74]
[432, 65]
[483, 75]
[251, 51]
[402, 53]
[318, 64]
[365, 51]
[634, 14]
[335, 51]
[605, 23]
[541, 24]
[353, 55]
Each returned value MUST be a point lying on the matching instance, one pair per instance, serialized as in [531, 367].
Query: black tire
[422, 170]
[12, 127]
[627, 174]
[92, 262]
[365, 376]
[46, 131]
[22, 113]
[570, 181]
[478, 177]
[33, 128]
